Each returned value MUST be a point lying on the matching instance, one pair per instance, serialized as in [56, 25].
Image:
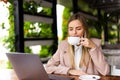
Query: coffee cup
[74, 40]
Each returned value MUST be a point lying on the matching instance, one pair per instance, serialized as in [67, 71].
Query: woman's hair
[85, 55]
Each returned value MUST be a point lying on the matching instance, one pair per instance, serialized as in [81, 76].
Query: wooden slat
[33, 18]
[46, 4]
[38, 42]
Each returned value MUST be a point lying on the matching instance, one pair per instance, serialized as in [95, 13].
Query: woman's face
[75, 29]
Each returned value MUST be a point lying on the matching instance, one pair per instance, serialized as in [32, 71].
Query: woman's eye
[78, 28]
[70, 29]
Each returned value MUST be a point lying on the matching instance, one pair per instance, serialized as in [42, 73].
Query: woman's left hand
[87, 43]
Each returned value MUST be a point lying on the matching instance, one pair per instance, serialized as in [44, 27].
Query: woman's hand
[87, 43]
[76, 72]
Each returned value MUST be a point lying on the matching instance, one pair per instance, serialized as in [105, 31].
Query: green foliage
[37, 30]
[46, 51]
[46, 30]
[30, 29]
[27, 50]
[3, 27]
[9, 66]
[66, 15]
[32, 7]
[46, 11]
[9, 41]
[93, 33]
[83, 6]
[94, 29]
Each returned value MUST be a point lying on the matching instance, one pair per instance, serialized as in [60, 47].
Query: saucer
[89, 77]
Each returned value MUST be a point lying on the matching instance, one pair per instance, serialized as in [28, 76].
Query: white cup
[73, 40]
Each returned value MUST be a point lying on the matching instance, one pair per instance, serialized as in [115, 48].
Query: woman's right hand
[76, 72]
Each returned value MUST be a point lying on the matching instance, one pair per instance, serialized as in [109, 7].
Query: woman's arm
[99, 59]
[76, 72]
[54, 64]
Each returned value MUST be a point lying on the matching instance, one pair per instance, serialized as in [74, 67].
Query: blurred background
[37, 26]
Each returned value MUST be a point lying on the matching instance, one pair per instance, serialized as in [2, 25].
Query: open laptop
[30, 67]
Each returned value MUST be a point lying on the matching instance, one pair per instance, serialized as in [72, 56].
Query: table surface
[9, 74]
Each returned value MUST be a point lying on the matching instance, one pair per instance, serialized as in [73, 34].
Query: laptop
[30, 67]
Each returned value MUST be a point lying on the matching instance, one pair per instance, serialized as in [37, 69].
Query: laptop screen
[27, 66]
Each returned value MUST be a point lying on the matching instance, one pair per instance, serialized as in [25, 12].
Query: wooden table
[9, 74]
[108, 77]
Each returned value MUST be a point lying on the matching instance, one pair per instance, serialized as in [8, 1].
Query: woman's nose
[74, 31]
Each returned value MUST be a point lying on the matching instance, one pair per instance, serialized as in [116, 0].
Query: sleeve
[99, 60]
[54, 65]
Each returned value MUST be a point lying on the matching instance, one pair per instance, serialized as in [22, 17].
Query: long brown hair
[85, 54]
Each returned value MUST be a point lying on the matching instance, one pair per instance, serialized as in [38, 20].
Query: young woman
[83, 58]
